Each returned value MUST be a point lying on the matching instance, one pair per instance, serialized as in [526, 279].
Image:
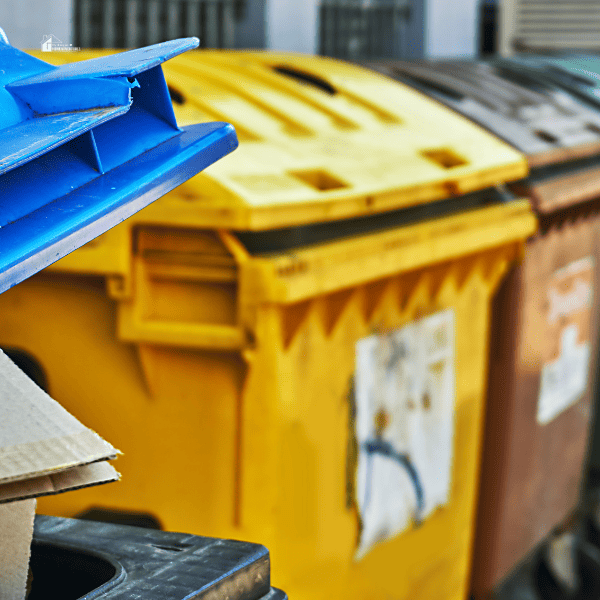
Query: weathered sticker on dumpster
[567, 349]
[404, 425]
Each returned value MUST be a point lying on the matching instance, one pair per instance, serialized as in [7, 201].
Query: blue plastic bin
[84, 146]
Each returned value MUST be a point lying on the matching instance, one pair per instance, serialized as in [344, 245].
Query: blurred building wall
[544, 26]
[292, 25]
[251, 27]
[26, 22]
[451, 28]
[414, 45]
[434, 28]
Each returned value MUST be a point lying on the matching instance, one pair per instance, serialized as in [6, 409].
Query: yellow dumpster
[297, 339]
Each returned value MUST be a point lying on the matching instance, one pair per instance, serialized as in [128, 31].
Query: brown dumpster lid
[538, 117]
[558, 187]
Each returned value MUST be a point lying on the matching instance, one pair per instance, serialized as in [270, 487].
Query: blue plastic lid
[84, 146]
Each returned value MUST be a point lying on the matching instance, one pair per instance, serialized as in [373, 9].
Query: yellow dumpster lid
[320, 140]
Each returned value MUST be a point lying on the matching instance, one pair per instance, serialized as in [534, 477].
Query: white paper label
[404, 389]
[564, 372]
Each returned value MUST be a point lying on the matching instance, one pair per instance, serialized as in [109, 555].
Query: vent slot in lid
[176, 96]
[306, 78]
[444, 157]
[319, 179]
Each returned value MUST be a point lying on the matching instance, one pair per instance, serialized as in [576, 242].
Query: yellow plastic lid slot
[320, 140]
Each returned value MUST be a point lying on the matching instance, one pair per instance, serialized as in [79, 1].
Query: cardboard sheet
[37, 435]
[16, 533]
[43, 450]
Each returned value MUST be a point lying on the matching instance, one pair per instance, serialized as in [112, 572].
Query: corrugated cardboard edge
[71, 479]
[44, 457]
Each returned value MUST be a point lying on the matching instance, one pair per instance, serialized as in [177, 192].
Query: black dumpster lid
[97, 560]
[537, 116]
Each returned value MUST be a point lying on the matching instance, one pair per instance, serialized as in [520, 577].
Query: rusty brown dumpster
[545, 320]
